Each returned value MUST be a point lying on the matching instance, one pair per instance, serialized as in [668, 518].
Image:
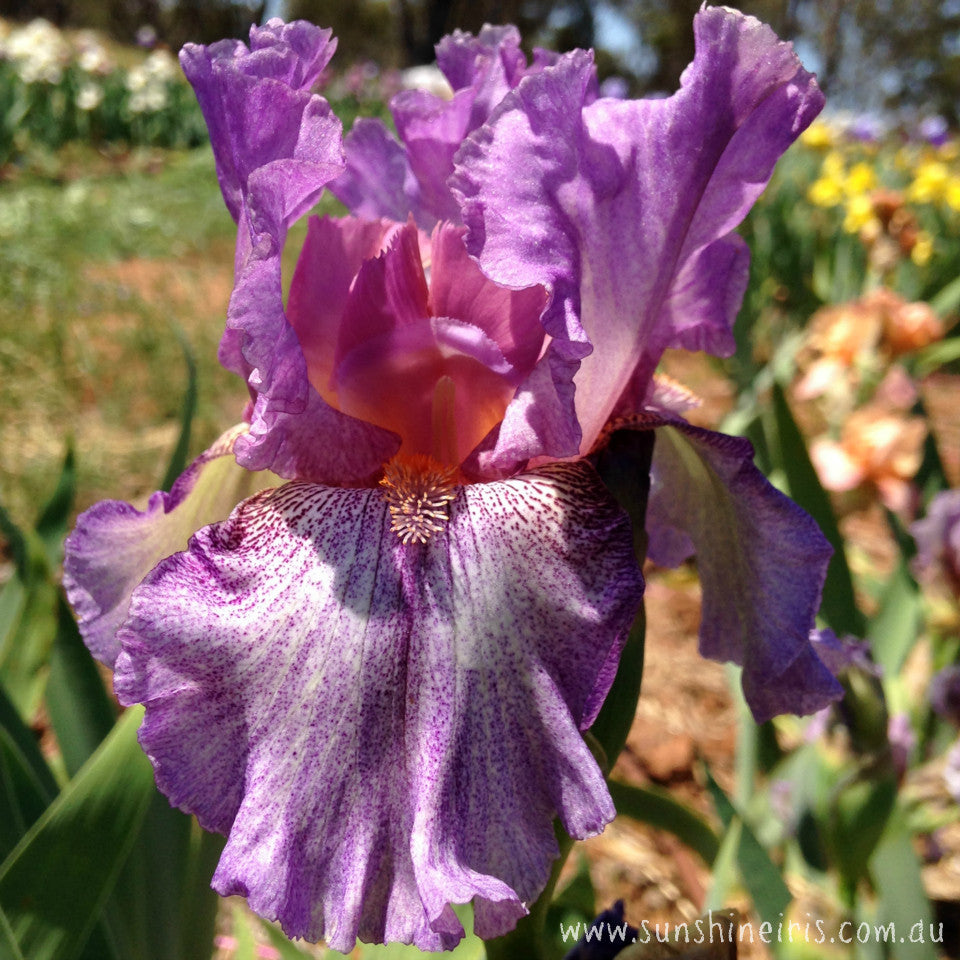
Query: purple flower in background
[945, 694]
[839, 653]
[938, 541]
[615, 87]
[373, 677]
[902, 741]
[867, 128]
[951, 771]
[935, 130]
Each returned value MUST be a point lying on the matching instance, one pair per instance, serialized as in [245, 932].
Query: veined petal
[332, 255]
[378, 180]
[277, 146]
[385, 729]
[490, 64]
[387, 178]
[432, 129]
[114, 545]
[259, 110]
[761, 559]
[624, 209]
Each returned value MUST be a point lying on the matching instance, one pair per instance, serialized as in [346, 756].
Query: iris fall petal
[114, 546]
[761, 559]
[385, 729]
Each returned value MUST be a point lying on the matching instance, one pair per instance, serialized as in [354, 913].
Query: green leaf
[723, 877]
[178, 459]
[54, 884]
[759, 873]
[17, 541]
[27, 619]
[245, 947]
[947, 300]
[9, 950]
[624, 467]
[26, 784]
[469, 948]
[658, 808]
[287, 949]
[22, 738]
[617, 714]
[22, 798]
[576, 903]
[162, 907]
[578, 894]
[895, 627]
[199, 903]
[25, 646]
[857, 819]
[55, 515]
[80, 710]
[902, 899]
[839, 606]
[931, 358]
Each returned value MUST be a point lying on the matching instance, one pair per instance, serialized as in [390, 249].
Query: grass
[93, 275]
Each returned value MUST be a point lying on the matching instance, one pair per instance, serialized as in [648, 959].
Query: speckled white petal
[114, 545]
[385, 729]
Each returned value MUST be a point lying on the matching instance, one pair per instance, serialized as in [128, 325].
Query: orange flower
[878, 447]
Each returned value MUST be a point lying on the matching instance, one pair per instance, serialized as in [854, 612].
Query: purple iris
[938, 542]
[369, 625]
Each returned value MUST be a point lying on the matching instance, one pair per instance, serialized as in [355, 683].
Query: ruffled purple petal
[624, 208]
[761, 559]
[387, 178]
[491, 64]
[378, 180]
[384, 730]
[259, 110]
[114, 545]
[276, 146]
[432, 129]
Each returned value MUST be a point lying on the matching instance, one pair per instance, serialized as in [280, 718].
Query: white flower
[89, 96]
[39, 52]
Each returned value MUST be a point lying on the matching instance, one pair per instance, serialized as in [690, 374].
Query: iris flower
[370, 624]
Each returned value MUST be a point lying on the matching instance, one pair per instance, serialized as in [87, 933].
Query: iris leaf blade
[88, 832]
[9, 950]
[839, 606]
[624, 467]
[80, 710]
[659, 809]
[902, 899]
[759, 873]
[25, 742]
[54, 518]
[178, 459]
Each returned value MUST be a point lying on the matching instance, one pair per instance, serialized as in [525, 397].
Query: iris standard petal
[387, 178]
[276, 146]
[761, 560]
[114, 545]
[384, 729]
[623, 209]
[258, 108]
[378, 180]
